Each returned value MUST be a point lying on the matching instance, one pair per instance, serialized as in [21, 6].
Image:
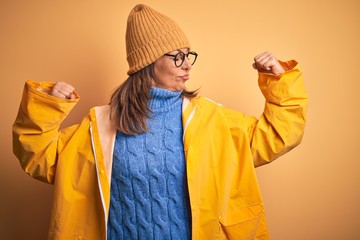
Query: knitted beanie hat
[149, 35]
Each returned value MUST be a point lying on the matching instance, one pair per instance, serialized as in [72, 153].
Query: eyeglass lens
[180, 58]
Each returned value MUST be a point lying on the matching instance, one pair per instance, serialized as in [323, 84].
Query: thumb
[254, 66]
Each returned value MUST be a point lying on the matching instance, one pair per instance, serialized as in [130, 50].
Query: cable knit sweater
[149, 195]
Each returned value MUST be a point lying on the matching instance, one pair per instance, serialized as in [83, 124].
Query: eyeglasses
[179, 58]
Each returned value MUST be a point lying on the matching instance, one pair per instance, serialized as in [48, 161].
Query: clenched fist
[60, 90]
[267, 63]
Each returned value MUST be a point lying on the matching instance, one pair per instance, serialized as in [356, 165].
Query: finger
[60, 93]
[254, 66]
[65, 86]
[261, 58]
[57, 94]
[262, 61]
[260, 69]
[62, 90]
[266, 62]
[277, 69]
[269, 62]
[273, 65]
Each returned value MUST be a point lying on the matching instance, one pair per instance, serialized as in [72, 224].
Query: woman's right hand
[60, 90]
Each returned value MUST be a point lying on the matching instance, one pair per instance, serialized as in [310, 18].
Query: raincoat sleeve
[36, 137]
[281, 126]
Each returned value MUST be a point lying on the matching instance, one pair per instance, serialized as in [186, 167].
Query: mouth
[185, 77]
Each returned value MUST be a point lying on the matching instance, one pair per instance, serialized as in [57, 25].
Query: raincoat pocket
[244, 223]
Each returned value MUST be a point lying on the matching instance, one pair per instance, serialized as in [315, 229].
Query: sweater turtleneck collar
[164, 100]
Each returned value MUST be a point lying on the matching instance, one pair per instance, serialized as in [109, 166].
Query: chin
[182, 87]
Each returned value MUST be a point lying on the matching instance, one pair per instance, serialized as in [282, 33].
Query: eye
[180, 56]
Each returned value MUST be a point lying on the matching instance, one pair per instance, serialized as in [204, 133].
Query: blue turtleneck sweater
[149, 195]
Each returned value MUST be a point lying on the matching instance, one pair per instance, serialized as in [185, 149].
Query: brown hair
[129, 102]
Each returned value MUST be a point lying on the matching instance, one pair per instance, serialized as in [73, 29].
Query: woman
[158, 162]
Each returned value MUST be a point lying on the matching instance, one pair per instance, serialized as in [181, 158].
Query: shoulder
[207, 108]
[205, 102]
[214, 108]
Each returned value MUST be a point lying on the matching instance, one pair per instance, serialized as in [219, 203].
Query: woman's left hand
[266, 62]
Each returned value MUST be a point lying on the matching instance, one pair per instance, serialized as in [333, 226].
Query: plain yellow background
[313, 192]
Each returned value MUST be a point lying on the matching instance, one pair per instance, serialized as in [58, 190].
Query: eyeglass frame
[183, 59]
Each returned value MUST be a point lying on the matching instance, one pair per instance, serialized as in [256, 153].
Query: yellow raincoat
[221, 148]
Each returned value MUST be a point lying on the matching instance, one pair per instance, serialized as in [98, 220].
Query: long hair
[129, 107]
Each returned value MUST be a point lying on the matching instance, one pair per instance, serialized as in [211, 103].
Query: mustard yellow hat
[149, 35]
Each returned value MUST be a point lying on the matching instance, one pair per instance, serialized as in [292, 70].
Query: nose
[186, 65]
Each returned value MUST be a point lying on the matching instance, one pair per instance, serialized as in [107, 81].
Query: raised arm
[36, 137]
[281, 126]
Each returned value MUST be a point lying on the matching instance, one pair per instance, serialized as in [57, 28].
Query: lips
[185, 77]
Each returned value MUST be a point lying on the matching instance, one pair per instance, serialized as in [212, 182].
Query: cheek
[170, 77]
[165, 73]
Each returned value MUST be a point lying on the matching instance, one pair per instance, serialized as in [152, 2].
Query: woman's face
[168, 76]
